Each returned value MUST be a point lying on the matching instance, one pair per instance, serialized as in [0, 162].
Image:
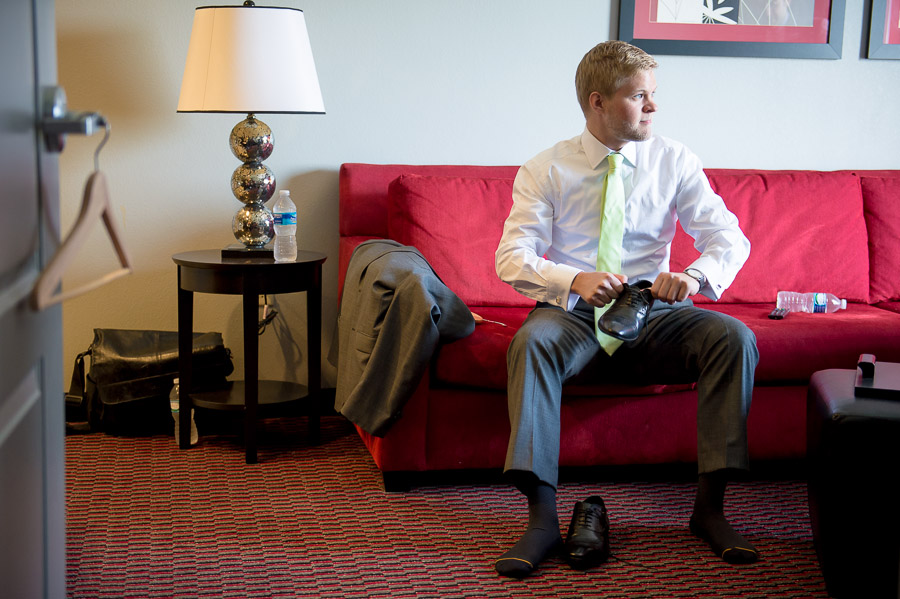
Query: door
[32, 434]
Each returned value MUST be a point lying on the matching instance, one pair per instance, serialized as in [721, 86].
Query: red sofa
[810, 231]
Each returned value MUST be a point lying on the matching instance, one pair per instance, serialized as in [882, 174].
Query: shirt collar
[596, 152]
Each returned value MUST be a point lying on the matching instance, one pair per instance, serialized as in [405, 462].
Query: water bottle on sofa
[810, 302]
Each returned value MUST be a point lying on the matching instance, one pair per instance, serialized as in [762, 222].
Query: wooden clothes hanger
[95, 205]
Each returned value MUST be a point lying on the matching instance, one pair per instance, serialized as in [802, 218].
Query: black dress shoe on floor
[628, 313]
[587, 542]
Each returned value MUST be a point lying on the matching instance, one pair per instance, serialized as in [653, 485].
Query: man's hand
[598, 288]
[671, 287]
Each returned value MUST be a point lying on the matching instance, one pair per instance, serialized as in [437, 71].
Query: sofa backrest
[881, 201]
[365, 208]
[807, 233]
[808, 229]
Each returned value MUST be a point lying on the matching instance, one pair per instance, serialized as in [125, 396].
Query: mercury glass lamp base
[253, 225]
[253, 183]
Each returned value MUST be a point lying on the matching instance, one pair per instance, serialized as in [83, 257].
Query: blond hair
[605, 68]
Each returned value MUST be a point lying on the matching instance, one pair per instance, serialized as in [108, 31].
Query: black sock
[708, 521]
[541, 537]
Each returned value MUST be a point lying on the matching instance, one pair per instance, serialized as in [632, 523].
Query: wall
[405, 81]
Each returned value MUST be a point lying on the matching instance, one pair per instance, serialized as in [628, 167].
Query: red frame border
[645, 28]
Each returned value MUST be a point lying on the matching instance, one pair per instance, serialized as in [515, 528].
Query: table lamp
[250, 59]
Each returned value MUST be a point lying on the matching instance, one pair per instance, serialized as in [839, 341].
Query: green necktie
[609, 250]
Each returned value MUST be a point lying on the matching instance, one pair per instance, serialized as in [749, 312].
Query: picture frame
[884, 29]
[812, 28]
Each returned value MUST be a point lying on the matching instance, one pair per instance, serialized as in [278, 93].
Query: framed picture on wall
[884, 29]
[764, 28]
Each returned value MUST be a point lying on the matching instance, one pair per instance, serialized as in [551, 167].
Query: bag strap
[75, 399]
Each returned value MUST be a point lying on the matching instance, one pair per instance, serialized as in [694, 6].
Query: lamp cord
[269, 314]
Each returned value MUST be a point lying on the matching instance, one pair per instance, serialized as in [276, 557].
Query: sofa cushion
[892, 306]
[479, 360]
[792, 349]
[881, 196]
[364, 191]
[806, 229]
[456, 222]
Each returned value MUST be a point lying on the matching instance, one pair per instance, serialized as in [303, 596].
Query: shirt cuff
[559, 291]
[714, 287]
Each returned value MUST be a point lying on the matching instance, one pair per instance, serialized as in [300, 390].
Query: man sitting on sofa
[557, 250]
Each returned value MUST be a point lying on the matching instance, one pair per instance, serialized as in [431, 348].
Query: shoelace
[588, 517]
[633, 296]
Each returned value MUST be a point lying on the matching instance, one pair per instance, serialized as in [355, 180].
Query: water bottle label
[819, 303]
[285, 218]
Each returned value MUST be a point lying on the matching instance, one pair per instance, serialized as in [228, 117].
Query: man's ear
[596, 102]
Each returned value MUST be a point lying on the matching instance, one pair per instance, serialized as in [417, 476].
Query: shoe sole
[586, 563]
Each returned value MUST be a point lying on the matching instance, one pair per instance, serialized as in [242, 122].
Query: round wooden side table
[206, 271]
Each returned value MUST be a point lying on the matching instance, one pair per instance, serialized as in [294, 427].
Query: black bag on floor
[127, 387]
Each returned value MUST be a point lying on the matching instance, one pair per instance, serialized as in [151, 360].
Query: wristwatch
[696, 275]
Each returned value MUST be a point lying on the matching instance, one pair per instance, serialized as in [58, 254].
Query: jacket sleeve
[390, 347]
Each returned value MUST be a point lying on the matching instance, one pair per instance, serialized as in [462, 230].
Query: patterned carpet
[148, 520]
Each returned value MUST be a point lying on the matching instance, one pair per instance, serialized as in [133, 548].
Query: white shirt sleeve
[717, 235]
[527, 235]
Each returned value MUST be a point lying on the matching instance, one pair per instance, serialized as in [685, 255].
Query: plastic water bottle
[810, 302]
[174, 406]
[285, 227]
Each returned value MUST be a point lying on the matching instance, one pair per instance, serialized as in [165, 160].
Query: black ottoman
[853, 448]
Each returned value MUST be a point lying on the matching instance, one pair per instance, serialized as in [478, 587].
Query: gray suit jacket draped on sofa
[394, 311]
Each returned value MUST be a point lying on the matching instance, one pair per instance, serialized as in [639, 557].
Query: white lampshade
[250, 59]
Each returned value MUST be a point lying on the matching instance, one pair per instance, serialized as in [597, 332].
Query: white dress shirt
[552, 231]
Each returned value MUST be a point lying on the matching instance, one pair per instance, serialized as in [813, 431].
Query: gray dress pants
[679, 344]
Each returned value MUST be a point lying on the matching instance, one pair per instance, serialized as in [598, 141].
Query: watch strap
[696, 275]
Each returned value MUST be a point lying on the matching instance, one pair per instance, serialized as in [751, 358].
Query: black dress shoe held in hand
[628, 313]
[587, 542]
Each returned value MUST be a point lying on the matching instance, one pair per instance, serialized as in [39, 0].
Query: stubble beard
[636, 132]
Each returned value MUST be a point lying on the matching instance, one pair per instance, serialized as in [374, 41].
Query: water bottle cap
[175, 380]
[284, 193]
[843, 304]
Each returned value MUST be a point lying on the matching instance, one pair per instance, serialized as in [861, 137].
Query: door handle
[57, 121]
